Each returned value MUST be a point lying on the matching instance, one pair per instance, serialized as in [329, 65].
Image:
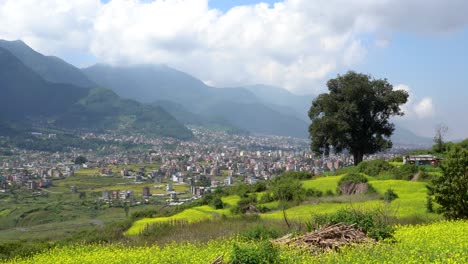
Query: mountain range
[237, 107]
[155, 99]
[28, 97]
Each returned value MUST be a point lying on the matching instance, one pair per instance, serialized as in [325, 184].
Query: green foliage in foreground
[374, 167]
[441, 242]
[450, 189]
[370, 222]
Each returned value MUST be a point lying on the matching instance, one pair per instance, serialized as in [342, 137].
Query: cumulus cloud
[424, 108]
[295, 44]
[416, 109]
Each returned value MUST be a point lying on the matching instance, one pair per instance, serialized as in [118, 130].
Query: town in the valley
[166, 169]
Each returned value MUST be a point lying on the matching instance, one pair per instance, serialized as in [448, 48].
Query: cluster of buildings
[213, 159]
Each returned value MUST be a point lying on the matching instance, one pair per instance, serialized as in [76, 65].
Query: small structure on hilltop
[422, 160]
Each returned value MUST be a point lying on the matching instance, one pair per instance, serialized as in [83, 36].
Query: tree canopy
[355, 115]
[450, 189]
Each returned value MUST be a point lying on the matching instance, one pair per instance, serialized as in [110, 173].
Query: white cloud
[424, 108]
[296, 44]
[416, 109]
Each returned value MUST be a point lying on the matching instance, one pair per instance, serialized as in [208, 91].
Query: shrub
[266, 198]
[353, 181]
[244, 204]
[261, 232]
[143, 214]
[450, 189]
[263, 252]
[299, 175]
[287, 189]
[390, 195]
[429, 204]
[217, 203]
[397, 159]
[423, 174]
[313, 193]
[374, 167]
[371, 222]
[405, 172]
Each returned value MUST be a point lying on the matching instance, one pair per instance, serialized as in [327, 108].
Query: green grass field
[409, 207]
[410, 204]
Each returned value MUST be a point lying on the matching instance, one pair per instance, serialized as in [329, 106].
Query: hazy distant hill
[290, 103]
[404, 136]
[102, 109]
[50, 68]
[148, 84]
[26, 94]
[258, 118]
[8, 129]
[237, 106]
[186, 117]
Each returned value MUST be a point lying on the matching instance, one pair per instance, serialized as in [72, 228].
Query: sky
[418, 45]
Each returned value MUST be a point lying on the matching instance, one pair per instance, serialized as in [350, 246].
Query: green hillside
[103, 110]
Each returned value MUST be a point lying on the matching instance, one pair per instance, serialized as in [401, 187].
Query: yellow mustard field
[196, 214]
[440, 242]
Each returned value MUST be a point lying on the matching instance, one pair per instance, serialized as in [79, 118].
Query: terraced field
[191, 215]
[409, 205]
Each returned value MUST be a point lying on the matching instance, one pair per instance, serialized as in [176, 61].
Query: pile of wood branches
[331, 237]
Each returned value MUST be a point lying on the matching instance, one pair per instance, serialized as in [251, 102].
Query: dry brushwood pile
[331, 237]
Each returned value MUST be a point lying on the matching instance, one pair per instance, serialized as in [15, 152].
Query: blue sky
[419, 46]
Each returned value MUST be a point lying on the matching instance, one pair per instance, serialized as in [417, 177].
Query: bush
[244, 204]
[374, 167]
[390, 195]
[299, 175]
[261, 232]
[450, 189]
[263, 252]
[371, 222]
[314, 193]
[423, 174]
[143, 214]
[429, 204]
[23, 248]
[213, 200]
[287, 189]
[353, 179]
[266, 198]
[217, 203]
[405, 172]
[397, 159]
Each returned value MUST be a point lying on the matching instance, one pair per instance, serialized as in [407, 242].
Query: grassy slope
[409, 205]
[195, 214]
[411, 201]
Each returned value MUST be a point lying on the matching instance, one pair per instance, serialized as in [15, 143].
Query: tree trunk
[358, 156]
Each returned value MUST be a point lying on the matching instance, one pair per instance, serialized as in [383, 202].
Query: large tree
[355, 115]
